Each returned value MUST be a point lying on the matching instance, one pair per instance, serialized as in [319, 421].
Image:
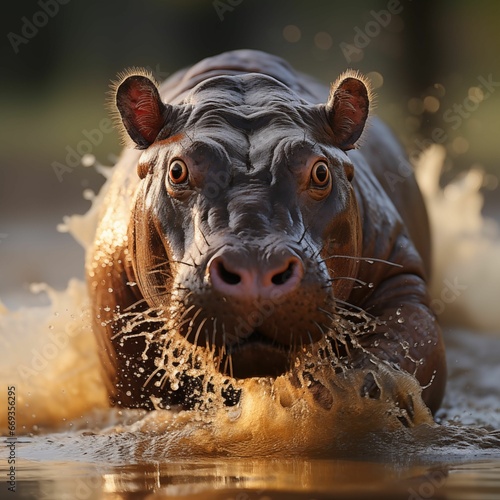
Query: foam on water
[54, 366]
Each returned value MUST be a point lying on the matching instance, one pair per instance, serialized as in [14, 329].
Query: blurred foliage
[54, 87]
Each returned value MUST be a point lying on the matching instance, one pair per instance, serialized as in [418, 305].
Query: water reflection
[233, 479]
[261, 479]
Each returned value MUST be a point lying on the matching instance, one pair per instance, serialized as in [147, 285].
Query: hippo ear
[141, 111]
[347, 109]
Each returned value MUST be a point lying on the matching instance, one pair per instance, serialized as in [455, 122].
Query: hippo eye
[320, 174]
[178, 172]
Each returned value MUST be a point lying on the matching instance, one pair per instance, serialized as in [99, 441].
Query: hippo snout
[258, 303]
[237, 275]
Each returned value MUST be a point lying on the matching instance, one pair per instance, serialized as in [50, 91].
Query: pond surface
[260, 479]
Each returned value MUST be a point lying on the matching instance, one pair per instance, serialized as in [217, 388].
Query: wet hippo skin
[254, 211]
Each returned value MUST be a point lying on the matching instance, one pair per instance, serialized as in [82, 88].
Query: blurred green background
[429, 62]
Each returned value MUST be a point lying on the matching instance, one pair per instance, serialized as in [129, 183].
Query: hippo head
[245, 229]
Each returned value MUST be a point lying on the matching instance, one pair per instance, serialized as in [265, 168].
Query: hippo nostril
[282, 277]
[235, 275]
[227, 276]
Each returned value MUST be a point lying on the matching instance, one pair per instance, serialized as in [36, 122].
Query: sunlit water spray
[319, 406]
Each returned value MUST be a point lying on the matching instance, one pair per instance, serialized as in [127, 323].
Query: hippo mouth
[257, 356]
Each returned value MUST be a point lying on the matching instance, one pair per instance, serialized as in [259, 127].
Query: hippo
[251, 211]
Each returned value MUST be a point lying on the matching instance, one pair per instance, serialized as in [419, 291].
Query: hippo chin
[249, 218]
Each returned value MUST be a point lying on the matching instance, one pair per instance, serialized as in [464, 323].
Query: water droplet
[110, 290]
[323, 40]
[88, 160]
[431, 104]
[291, 33]
[401, 320]
[88, 194]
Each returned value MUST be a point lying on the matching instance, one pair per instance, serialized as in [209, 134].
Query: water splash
[53, 364]
[466, 246]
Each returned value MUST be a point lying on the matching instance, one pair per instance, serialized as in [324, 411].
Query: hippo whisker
[182, 323]
[306, 230]
[329, 314]
[218, 359]
[162, 289]
[349, 307]
[152, 375]
[319, 328]
[161, 271]
[191, 322]
[348, 278]
[182, 262]
[370, 260]
[228, 338]
[198, 331]
[228, 361]
[160, 264]
[205, 238]
[311, 341]
[185, 297]
[134, 305]
[214, 330]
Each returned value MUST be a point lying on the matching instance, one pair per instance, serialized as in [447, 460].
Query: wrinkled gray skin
[247, 215]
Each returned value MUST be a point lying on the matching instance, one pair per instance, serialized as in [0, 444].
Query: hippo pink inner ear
[347, 110]
[141, 109]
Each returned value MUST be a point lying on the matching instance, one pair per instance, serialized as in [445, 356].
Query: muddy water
[277, 443]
